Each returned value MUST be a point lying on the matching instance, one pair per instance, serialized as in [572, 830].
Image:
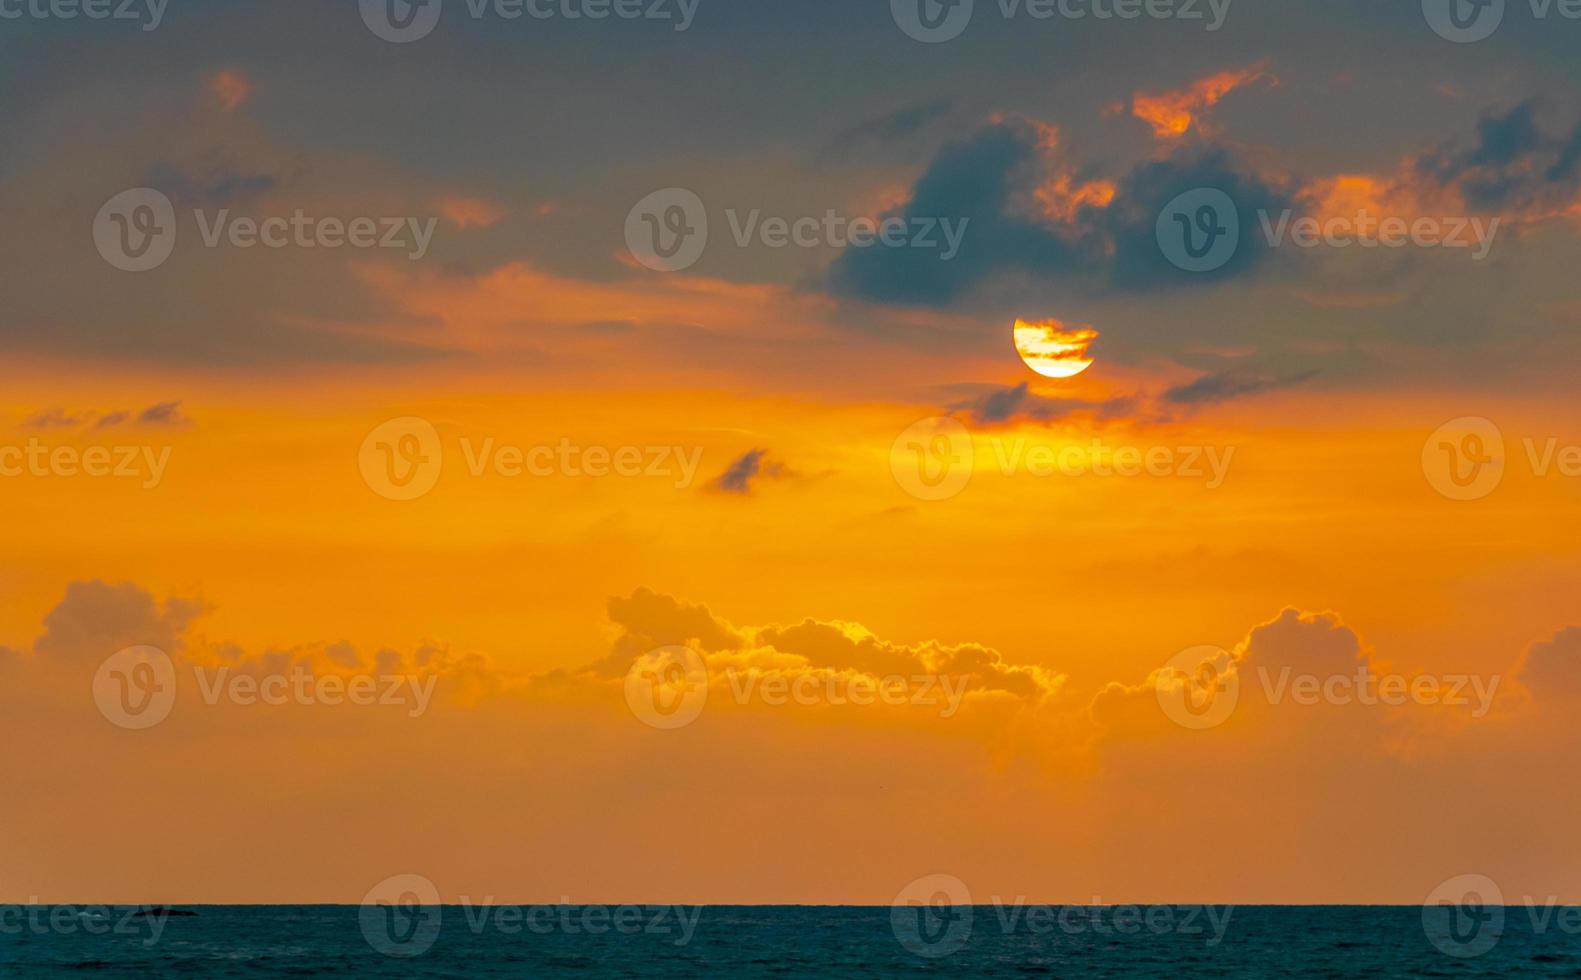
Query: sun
[1053, 350]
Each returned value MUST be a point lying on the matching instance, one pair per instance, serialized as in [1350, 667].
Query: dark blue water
[599, 941]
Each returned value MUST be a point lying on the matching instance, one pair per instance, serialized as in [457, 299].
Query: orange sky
[546, 485]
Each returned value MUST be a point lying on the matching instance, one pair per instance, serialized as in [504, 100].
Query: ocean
[779, 941]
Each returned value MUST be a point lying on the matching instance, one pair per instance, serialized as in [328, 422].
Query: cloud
[1228, 385]
[890, 128]
[1306, 642]
[1003, 404]
[1030, 211]
[753, 464]
[231, 89]
[164, 413]
[95, 619]
[51, 418]
[470, 212]
[1172, 114]
[1551, 670]
[649, 620]
[973, 179]
[1513, 164]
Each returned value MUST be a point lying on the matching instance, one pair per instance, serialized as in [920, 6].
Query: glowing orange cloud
[1061, 196]
[470, 212]
[230, 88]
[1173, 114]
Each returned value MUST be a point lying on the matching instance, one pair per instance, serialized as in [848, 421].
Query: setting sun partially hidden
[1052, 350]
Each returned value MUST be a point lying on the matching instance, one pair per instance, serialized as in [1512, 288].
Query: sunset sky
[780, 409]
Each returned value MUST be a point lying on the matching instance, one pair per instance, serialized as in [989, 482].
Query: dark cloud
[164, 413]
[738, 476]
[888, 129]
[1552, 669]
[96, 619]
[1127, 230]
[1018, 402]
[51, 418]
[649, 620]
[1309, 643]
[973, 179]
[1512, 163]
[215, 180]
[987, 180]
[1227, 385]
